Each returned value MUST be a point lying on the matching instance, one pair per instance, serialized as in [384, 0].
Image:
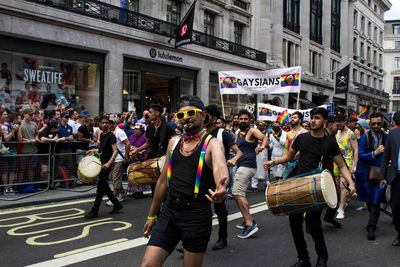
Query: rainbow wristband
[151, 217]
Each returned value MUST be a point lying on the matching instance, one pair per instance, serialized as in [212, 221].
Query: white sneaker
[6, 191]
[340, 215]
[121, 197]
[109, 203]
[11, 191]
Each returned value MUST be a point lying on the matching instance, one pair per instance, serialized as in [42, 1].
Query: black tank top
[184, 171]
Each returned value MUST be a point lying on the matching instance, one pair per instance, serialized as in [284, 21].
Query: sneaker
[79, 182]
[129, 193]
[116, 208]
[361, 208]
[91, 214]
[248, 231]
[109, 203]
[340, 215]
[241, 226]
[121, 197]
[11, 191]
[6, 191]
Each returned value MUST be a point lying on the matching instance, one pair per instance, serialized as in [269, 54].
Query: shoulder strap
[200, 166]
[162, 137]
[219, 135]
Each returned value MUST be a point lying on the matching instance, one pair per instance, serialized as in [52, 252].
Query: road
[56, 234]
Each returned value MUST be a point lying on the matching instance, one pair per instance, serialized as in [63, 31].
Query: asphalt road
[56, 234]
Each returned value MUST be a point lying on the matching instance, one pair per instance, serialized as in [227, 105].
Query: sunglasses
[190, 113]
[376, 123]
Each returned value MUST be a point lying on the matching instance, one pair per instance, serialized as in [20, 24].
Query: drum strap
[199, 168]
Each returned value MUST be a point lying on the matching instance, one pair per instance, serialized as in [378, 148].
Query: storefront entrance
[147, 83]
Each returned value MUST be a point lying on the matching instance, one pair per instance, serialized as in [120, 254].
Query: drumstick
[346, 186]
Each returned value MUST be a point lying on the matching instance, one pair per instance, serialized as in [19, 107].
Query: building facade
[114, 54]
[391, 61]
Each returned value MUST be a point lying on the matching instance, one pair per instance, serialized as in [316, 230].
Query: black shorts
[187, 220]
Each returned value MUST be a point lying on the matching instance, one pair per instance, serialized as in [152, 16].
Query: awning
[349, 109]
[304, 102]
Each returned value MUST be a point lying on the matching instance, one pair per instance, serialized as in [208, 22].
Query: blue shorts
[187, 220]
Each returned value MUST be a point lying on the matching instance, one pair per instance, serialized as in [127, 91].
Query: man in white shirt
[117, 168]
[73, 122]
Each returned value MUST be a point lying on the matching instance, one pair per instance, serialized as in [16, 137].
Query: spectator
[85, 133]
[8, 164]
[96, 132]
[64, 163]
[221, 123]
[178, 131]
[171, 122]
[73, 122]
[48, 98]
[261, 157]
[28, 133]
[117, 167]
[131, 120]
[145, 117]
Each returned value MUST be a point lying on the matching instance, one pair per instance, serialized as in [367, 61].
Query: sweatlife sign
[268, 112]
[278, 81]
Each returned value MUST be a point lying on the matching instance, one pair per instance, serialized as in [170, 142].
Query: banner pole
[222, 103]
[298, 100]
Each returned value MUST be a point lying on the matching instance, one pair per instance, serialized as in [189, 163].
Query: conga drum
[145, 172]
[88, 169]
[311, 191]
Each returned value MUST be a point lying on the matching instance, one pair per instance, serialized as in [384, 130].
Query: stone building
[391, 61]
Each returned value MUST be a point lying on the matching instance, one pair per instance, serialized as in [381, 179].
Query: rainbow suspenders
[199, 168]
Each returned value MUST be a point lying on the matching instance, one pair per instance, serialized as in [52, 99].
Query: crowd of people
[223, 158]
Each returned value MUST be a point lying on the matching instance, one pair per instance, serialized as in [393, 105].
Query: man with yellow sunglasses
[194, 176]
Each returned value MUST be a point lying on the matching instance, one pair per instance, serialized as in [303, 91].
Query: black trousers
[374, 211]
[330, 213]
[313, 221]
[222, 214]
[103, 188]
[395, 203]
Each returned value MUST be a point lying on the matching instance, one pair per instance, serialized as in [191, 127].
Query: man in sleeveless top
[247, 141]
[315, 148]
[228, 140]
[295, 122]
[348, 145]
[186, 186]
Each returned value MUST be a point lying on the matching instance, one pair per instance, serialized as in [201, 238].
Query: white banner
[278, 81]
[268, 112]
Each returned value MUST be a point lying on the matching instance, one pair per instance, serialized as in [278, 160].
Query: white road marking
[137, 242]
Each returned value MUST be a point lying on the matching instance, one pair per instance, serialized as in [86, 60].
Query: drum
[88, 169]
[145, 172]
[312, 191]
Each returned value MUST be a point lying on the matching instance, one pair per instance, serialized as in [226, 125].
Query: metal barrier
[55, 166]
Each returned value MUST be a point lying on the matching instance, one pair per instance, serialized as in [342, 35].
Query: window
[376, 34]
[355, 19]
[396, 85]
[240, 3]
[173, 11]
[355, 73]
[334, 66]
[335, 26]
[381, 38]
[238, 32]
[362, 76]
[369, 54]
[316, 21]
[369, 80]
[375, 85]
[396, 29]
[380, 60]
[396, 44]
[395, 106]
[369, 2]
[133, 5]
[362, 52]
[289, 53]
[369, 29]
[355, 46]
[397, 63]
[315, 59]
[291, 18]
[362, 24]
[209, 23]
[375, 59]
[375, 8]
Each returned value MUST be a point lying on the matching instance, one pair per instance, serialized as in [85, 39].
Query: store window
[131, 89]
[43, 81]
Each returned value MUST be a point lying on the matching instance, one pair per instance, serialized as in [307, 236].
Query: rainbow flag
[283, 117]
[295, 82]
[363, 113]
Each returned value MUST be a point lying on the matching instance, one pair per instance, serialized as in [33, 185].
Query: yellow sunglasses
[190, 113]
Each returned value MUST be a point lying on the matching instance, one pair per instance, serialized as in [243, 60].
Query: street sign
[330, 108]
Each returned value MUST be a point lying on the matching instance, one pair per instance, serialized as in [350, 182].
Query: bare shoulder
[352, 135]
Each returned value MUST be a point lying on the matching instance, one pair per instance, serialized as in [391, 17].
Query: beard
[235, 123]
[294, 123]
[244, 126]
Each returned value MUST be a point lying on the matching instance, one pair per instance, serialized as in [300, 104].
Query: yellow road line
[75, 251]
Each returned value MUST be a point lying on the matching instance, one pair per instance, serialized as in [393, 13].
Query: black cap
[189, 100]
[213, 110]
[64, 115]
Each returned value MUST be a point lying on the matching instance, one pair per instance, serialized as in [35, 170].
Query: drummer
[314, 146]
[108, 152]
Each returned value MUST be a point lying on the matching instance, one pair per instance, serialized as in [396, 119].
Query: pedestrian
[228, 140]
[117, 168]
[348, 145]
[186, 214]
[315, 148]
[247, 141]
[261, 174]
[108, 152]
[277, 140]
[390, 171]
[368, 182]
